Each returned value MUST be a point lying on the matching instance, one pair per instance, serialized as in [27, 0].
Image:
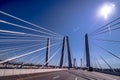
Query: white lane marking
[75, 78]
[56, 77]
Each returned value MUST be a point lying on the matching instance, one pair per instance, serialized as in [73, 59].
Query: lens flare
[106, 10]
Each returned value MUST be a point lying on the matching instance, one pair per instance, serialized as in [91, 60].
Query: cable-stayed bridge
[26, 51]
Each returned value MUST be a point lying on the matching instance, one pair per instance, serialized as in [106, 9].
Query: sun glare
[106, 10]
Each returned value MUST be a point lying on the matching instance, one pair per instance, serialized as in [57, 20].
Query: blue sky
[73, 18]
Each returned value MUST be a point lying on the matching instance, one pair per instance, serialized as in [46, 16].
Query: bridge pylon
[74, 63]
[66, 43]
[88, 65]
[47, 52]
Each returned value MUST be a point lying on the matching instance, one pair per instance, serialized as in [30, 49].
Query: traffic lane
[108, 76]
[15, 77]
[61, 75]
[95, 75]
[87, 75]
[58, 75]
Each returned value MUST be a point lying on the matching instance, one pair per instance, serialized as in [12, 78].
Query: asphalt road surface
[64, 75]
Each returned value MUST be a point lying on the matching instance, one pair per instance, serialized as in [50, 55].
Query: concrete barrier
[10, 72]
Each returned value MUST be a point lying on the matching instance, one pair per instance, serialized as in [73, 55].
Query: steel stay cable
[22, 33]
[108, 51]
[98, 39]
[16, 49]
[19, 37]
[18, 44]
[9, 59]
[31, 59]
[27, 22]
[55, 62]
[107, 30]
[54, 54]
[14, 53]
[41, 60]
[98, 63]
[24, 27]
[104, 26]
[27, 36]
[18, 40]
[11, 49]
[107, 63]
[38, 63]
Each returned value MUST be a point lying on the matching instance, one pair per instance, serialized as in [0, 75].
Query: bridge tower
[62, 54]
[69, 53]
[87, 53]
[47, 52]
[66, 42]
[74, 62]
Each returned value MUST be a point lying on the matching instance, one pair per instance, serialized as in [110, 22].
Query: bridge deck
[63, 75]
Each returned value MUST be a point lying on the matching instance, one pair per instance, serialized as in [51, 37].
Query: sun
[106, 9]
